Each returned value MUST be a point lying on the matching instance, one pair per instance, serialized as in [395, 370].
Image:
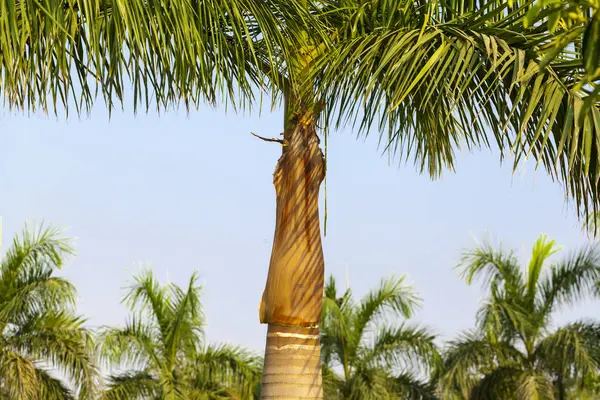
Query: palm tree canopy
[39, 331]
[513, 350]
[377, 359]
[162, 352]
[430, 77]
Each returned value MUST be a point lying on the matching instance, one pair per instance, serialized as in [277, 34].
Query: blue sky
[194, 192]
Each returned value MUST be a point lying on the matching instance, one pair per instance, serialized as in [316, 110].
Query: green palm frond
[134, 344]
[407, 386]
[189, 52]
[471, 356]
[496, 266]
[51, 388]
[224, 366]
[543, 248]
[498, 384]
[574, 349]
[534, 385]
[185, 317]
[131, 386]
[408, 347]
[432, 79]
[61, 340]
[392, 295]
[572, 279]
[146, 294]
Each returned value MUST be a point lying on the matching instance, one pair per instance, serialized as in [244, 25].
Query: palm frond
[131, 386]
[134, 345]
[184, 328]
[34, 251]
[407, 386]
[411, 348]
[225, 367]
[392, 295]
[571, 280]
[534, 385]
[61, 340]
[146, 294]
[189, 52]
[543, 248]
[572, 350]
[431, 86]
[51, 388]
[499, 384]
[499, 270]
[471, 356]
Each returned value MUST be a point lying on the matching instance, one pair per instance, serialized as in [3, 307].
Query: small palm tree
[40, 335]
[366, 358]
[513, 353]
[161, 352]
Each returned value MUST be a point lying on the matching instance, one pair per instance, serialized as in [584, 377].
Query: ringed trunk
[292, 300]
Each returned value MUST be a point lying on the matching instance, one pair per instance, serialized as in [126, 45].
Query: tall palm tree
[514, 353]
[41, 337]
[365, 357]
[429, 76]
[160, 353]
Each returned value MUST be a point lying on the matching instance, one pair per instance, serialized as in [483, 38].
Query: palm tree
[514, 353]
[429, 76]
[40, 335]
[160, 353]
[365, 357]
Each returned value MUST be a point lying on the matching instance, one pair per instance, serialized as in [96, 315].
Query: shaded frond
[534, 385]
[131, 386]
[572, 350]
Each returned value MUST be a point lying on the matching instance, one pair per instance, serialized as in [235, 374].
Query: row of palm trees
[369, 350]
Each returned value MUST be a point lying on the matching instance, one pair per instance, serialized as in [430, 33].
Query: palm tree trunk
[292, 300]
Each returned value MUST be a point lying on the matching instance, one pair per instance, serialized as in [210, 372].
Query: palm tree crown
[161, 352]
[39, 331]
[366, 358]
[514, 353]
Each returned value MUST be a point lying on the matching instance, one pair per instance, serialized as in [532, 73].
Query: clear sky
[184, 193]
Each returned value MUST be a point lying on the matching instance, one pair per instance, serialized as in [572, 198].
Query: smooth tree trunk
[292, 300]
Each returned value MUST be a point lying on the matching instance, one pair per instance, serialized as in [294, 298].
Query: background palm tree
[160, 352]
[366, 354]
[41, 337]
[429, 76]
[514, 354]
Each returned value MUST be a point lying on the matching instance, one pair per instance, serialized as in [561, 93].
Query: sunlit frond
[411, 348]
[431, 86]
[68, 52]
[393, 295]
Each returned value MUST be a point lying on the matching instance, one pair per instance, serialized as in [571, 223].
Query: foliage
[429, 76]
[39, 331]
[161, 352]
[513, 353]
[366, 358]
